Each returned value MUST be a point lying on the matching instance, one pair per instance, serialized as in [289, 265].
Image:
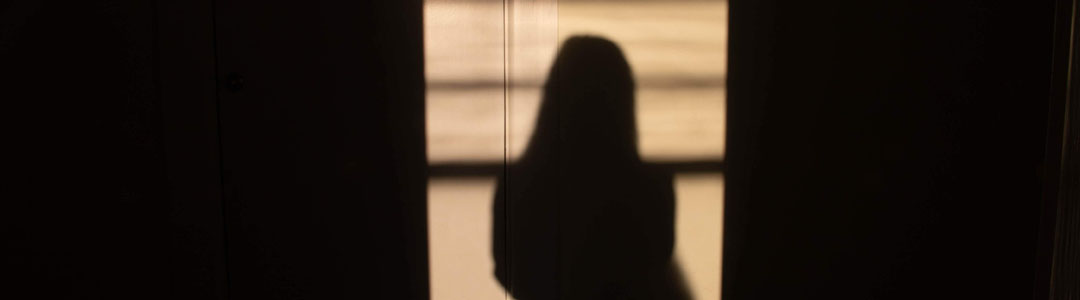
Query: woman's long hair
[588, 104]
[579, 216]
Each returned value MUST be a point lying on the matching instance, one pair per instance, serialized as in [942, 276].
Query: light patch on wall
[678, 53]
[486, 64]
[460, 224]
[677, 49]
[459, 238]
[464, 66]
[699, 211]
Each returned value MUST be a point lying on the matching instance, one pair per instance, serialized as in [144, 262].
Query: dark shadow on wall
[580, 216]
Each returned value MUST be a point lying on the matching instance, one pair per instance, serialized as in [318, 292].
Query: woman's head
[588, 101]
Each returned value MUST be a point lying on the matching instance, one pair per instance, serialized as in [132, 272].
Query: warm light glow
[486, 64]
[464, 68]
[678, 51]
[459, 236]
[698, 231]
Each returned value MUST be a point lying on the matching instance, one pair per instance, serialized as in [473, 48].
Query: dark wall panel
[885, 149]
[115, 149]
[84, 207]
[187, 85]
[323, 148]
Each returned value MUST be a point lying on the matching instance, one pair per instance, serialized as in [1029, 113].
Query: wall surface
[139, 170]
[322, 130]
[85, 210]
[885, 149]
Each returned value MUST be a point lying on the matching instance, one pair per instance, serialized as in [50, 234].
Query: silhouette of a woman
[579, 216]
